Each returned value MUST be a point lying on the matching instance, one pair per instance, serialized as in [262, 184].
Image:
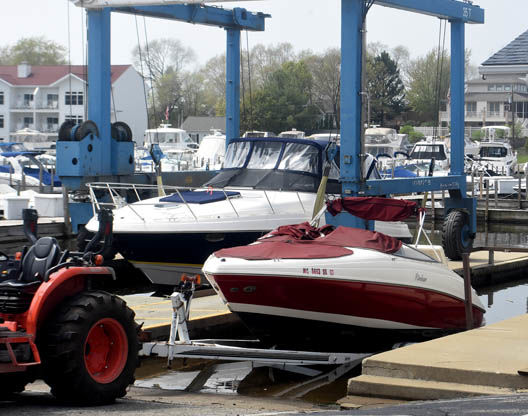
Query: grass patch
[522, 155]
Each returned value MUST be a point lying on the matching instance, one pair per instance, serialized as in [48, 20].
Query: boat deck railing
[114, 195]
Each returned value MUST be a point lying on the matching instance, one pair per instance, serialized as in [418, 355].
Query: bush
[414, 136]
[477, 135]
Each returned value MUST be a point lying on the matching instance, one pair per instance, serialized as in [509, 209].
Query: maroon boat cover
[374, 208]
[302, 241]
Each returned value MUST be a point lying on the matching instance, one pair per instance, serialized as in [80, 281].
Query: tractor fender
[62, 284]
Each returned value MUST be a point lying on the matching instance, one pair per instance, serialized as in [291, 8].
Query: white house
[500, 93]
[43, 97]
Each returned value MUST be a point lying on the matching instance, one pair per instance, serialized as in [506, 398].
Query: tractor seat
[40, 257]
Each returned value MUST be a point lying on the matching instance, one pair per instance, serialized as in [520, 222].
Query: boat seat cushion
[199, 197]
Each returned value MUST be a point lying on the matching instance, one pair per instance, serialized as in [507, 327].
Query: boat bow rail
[114, 196]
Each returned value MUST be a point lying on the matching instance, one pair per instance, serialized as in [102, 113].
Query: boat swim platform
[210, 318]
[491, 360]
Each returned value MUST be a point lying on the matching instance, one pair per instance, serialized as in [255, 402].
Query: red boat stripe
[411, 306]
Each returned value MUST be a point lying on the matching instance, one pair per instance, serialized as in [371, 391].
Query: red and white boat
[302, 284]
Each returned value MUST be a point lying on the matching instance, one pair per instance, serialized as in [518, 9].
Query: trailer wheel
[456, 238]
[90, 349]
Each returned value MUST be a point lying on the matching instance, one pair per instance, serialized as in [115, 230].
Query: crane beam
[463, 11]
[238, 18]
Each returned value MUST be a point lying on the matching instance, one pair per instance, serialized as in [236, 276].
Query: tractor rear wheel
[90, 349]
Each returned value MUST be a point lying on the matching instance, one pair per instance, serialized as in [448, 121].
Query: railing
[114, 193]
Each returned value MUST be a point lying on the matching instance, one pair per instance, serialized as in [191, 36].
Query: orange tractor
[54, 325]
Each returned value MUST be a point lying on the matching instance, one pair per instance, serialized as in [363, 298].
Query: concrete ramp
[483, 361]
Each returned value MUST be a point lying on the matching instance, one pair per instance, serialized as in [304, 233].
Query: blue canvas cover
[199, 197]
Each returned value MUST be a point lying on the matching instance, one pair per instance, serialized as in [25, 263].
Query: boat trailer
[180, 345]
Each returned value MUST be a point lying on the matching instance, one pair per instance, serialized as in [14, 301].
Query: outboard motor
[30, 217]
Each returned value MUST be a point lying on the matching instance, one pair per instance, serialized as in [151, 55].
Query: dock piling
[468, 301]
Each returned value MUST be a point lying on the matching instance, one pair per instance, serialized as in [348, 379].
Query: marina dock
[450, 367]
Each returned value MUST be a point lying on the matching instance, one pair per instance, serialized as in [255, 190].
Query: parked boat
[265, 183]
[22, 167]
[300, 284]
[168, 138]
[385, 144]
[497, 156]
[292, 134]
[425, 150]
[211, 153]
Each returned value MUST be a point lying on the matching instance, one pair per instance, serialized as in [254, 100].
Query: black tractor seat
[40, 257]
[17, 293]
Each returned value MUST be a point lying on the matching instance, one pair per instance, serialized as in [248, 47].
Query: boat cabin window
[300, 157]
[493, 151]
[428, 151]
[265, 155]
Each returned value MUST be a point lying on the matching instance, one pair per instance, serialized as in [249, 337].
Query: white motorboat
[265, 183]
[211, 153]
[497, 156]
[301, 284]
[425, 150]
[168, 138]
[292, 134]
[385, 144]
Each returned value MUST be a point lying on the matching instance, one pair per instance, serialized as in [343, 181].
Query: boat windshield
[428, 151]
[272, 164]
[493, 151]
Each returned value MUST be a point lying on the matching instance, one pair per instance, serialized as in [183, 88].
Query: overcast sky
[307, 24]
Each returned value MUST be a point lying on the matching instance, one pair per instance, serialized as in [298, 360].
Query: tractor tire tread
[63, 349]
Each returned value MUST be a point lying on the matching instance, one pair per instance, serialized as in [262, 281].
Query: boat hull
[291, 310]
[164, 257]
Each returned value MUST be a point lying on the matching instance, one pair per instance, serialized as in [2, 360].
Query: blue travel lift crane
[89, 152]
[460, 211]
[116, 160]
[96, 156]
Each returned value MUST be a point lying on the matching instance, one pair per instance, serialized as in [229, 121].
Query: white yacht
[211, 153]
[168, 138]
[497, 156]
[292, 134]
[265, 183]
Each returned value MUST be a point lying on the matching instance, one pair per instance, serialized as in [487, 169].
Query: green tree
[162, 66]
[385, 88]
[414, 136]
[429, 80]
[214, 78]
[284, 101]
[326, 72]
[35, 50]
